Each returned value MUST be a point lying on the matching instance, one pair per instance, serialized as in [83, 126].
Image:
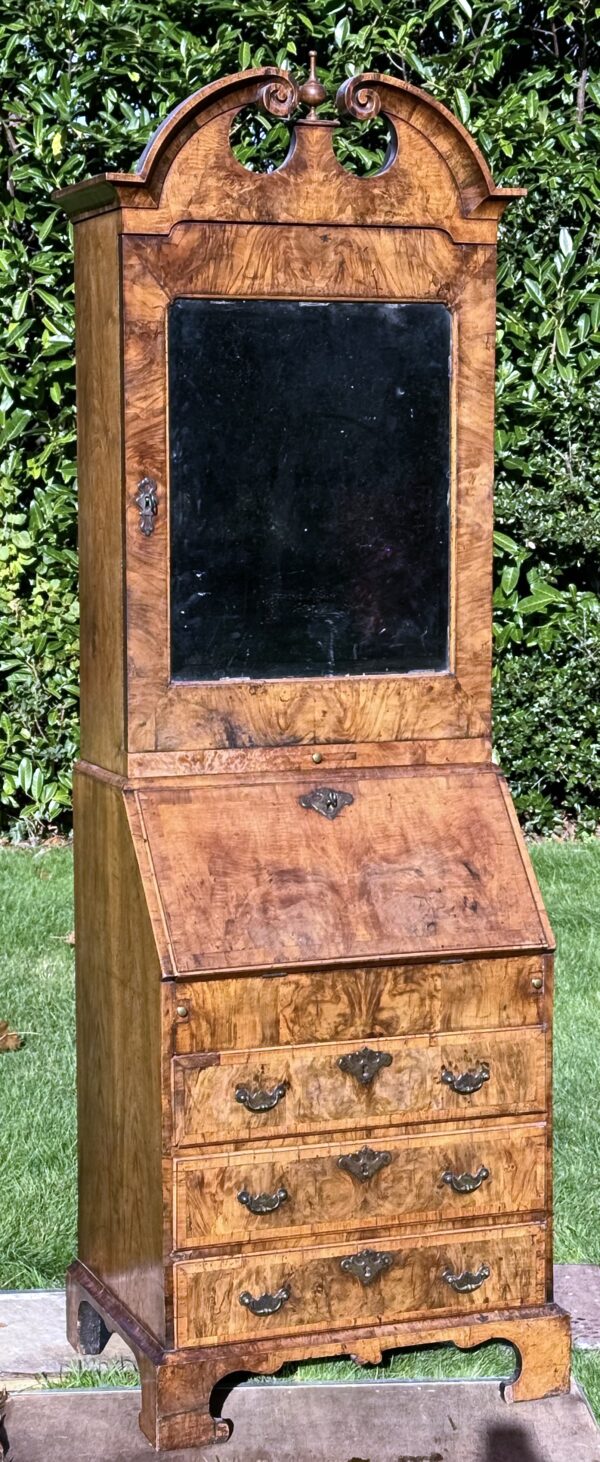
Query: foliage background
[83, 85]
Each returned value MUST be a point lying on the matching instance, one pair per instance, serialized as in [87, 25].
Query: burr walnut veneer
[314, 972]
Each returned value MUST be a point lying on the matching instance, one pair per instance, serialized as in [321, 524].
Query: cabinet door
[322, 486]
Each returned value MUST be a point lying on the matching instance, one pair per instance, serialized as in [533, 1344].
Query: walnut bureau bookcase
[314, 972]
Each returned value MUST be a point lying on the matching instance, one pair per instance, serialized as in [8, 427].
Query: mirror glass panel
[309, 488]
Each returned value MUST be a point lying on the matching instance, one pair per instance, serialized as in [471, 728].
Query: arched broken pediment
[434, 174]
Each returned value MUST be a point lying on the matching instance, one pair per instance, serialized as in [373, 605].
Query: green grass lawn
[37, 1089]
[37, 1083]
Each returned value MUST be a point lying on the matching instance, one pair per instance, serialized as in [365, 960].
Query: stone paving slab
[367, 1422]
[577, 1289]
[33, 1337]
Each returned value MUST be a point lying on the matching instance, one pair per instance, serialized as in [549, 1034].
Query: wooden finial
[312, 92]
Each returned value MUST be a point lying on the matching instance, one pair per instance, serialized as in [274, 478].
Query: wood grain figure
[508, 1073]
[315, 1189]
[283, 1008]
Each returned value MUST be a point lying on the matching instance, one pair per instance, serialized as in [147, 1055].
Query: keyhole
[332, 800]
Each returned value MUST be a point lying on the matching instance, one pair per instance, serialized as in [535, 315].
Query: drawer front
[279, 1194]
[353, 1004]
[305, 1088]
[348, 1286]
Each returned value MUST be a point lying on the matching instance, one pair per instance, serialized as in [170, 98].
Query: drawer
[353, 1004]
[319, 1288]
[278, 1194]
[312, 1088]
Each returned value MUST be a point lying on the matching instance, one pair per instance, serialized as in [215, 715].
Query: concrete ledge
[371, 1422]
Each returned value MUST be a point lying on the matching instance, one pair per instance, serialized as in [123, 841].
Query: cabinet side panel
[118, 1058]
[99, 456]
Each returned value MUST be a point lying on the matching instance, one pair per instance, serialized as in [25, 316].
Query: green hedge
[84, 84]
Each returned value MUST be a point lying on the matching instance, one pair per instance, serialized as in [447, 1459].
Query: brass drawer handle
[469, 1082]
[364, 1164]
[266, 1304]
[364, 1065]
[260, 1100]
[466, 1182]
[326, 801]
[367, 1265]
[467, 1281]
[263, 1202]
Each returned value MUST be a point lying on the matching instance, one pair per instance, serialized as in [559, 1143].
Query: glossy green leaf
[533, 289]
[341, 31]
[463, 105]
[25, 774]
[565, 242]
